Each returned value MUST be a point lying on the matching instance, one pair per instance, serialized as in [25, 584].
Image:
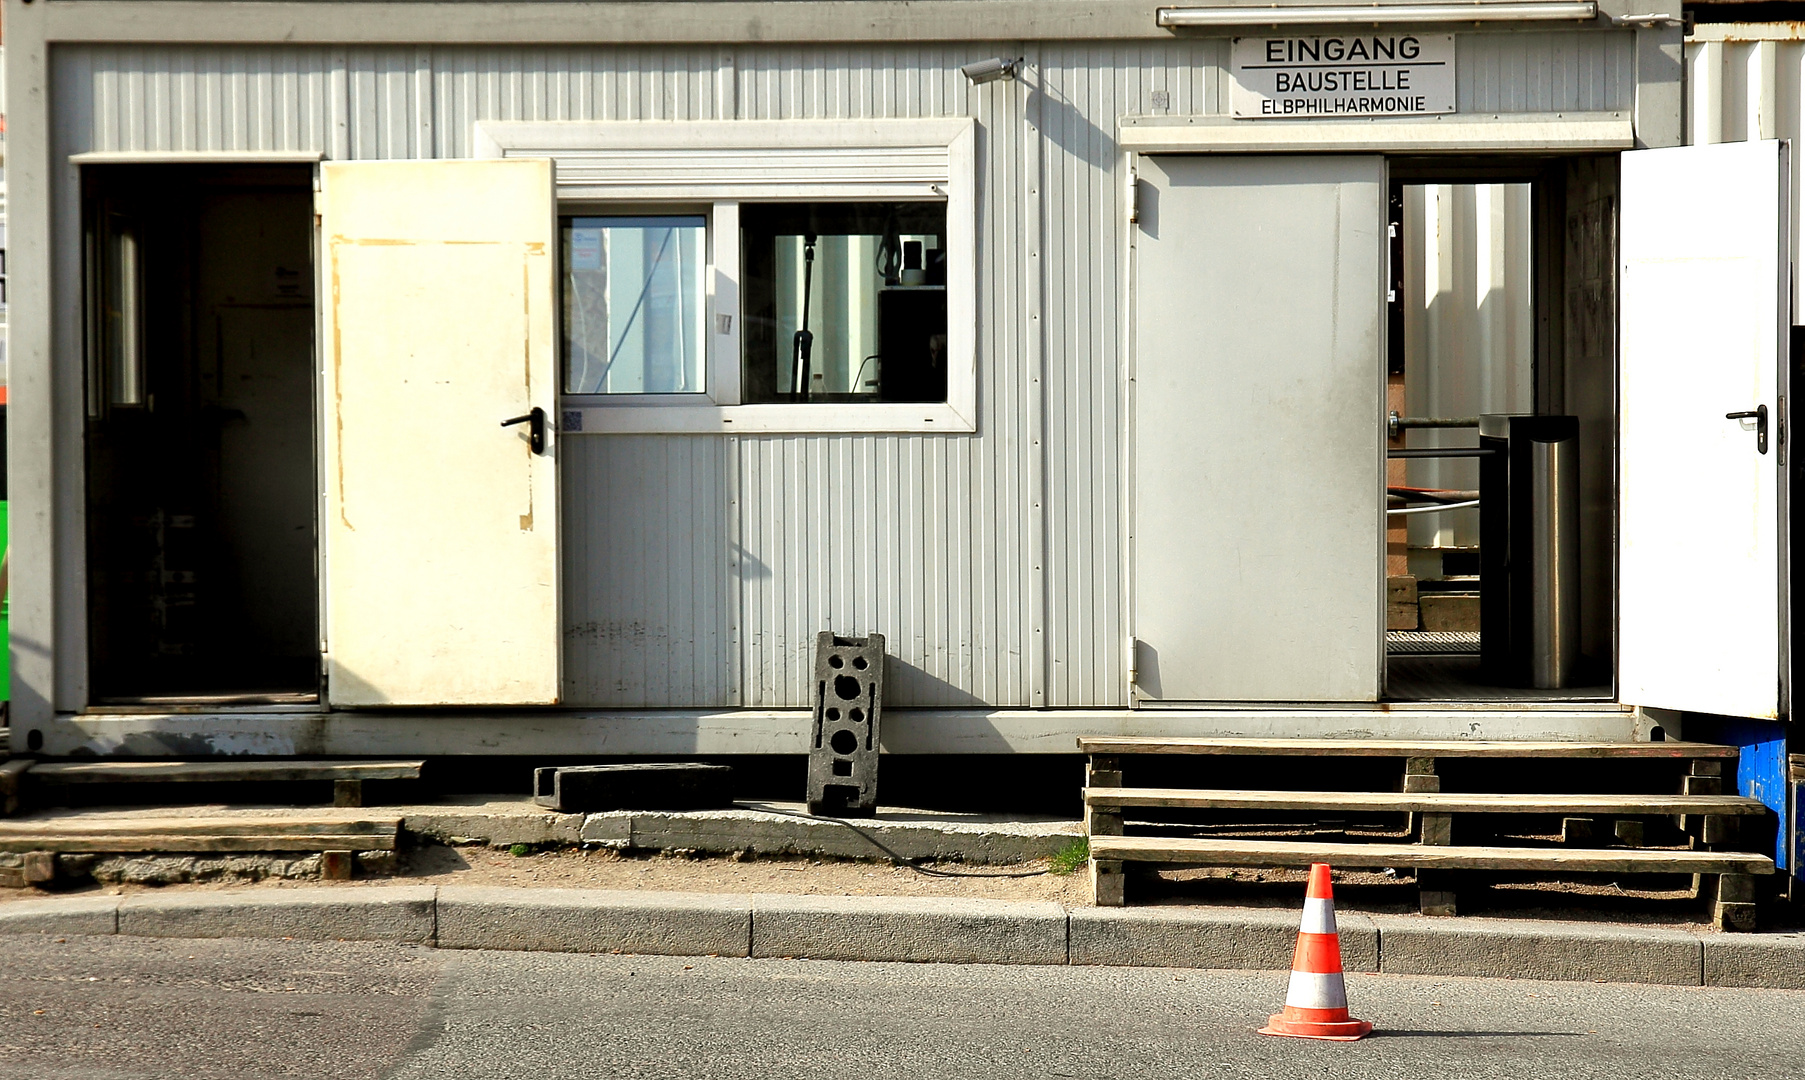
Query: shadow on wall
[908, 686]
[1146, 669]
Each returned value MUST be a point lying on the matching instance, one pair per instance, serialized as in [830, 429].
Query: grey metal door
[1258, 387]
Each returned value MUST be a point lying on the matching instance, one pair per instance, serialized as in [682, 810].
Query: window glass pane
[634, 305]
[843, 302]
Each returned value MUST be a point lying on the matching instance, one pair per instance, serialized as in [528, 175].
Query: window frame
[721, 239]
[623, 167]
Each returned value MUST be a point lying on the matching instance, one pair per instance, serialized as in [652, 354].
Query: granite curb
[918, 929]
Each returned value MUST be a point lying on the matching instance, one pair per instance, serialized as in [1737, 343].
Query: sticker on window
[585, 249]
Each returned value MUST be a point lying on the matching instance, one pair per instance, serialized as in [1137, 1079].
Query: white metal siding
[698, 568]
[1740, 90]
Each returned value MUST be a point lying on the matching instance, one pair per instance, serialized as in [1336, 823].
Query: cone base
[1332, 1031]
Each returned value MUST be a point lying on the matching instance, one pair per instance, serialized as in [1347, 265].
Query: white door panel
[1258, 535]
[1703, 329]
[442, 525]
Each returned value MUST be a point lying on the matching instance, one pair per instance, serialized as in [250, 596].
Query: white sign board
[1349, 75]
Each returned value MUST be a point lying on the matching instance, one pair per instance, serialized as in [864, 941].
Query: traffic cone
[1316, 1002]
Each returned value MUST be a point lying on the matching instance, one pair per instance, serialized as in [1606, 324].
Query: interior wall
[1469, 330]
[253, 327]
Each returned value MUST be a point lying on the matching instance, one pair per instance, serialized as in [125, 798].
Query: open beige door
[441, 523]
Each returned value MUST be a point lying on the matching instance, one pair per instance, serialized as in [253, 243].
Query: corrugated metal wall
[1469, 330]
[698, 568]
[1747, 88]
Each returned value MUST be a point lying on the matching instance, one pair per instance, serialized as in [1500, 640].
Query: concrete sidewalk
[924, 930]
[750, 826]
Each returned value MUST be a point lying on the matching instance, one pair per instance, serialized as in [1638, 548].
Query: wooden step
[126, 836]
[1400, 748]
[1426, 802]
[1419, 856]
[229, 771]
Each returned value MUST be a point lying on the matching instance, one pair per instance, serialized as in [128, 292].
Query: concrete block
[645, 785]
[1702, 785]
[613, 828]
[1727, 915]
[40, 867]
[341, 913]
[595, 920]
[1774, 960]
[1400, 602]
[1258, 939]
[1534, 949]
[1449, 612]
[932, 930]
[1109, 883]
[846, 729]
[1400, 589]
[84, 915]
[498, 823]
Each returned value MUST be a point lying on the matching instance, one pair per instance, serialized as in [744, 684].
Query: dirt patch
[601, 868]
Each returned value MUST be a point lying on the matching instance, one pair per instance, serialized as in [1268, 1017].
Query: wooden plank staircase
[337, 836]
[1707, 818]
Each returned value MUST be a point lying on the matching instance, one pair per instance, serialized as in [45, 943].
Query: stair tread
[1441, 748]
[297, 833]
[1427, 802]
[1451, 857]
[162, 771]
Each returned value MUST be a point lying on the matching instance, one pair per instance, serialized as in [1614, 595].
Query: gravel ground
[598, 868]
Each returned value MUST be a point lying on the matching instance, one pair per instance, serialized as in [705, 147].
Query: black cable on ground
[902, 860]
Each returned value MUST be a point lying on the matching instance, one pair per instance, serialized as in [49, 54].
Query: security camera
[986, 71]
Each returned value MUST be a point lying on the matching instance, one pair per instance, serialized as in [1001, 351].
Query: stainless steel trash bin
[1529, 550]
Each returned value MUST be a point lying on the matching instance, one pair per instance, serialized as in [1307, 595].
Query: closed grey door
[1257, 396]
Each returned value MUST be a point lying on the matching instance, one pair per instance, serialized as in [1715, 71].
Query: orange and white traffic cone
[1316, 1002]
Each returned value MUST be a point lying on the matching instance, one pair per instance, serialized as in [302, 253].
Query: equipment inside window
[844, 302]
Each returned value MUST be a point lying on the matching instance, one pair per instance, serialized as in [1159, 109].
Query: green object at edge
[6, 641]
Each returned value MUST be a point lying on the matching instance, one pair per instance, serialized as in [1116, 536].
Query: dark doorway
[200, 434]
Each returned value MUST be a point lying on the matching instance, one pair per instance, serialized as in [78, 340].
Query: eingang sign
[1351, 75]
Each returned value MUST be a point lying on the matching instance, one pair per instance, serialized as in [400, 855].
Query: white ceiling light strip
[1378, 14]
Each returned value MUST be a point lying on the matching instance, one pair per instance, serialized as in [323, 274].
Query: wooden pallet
[347, 777]
[190, 834]
[1196, 852]
[1701, 807]
[1400, 748]
[1420, 802]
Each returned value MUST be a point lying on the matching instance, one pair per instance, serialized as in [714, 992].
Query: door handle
[1759, 415]
[535, 422]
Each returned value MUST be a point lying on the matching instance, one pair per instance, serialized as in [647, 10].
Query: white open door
[441, 524]
[1703, 322]
[1259, 459]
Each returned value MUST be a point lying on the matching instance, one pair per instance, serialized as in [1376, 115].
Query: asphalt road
[119, 1007]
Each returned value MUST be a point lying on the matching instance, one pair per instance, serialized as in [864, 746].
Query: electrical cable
[903, 860]
[861, 372]
[1400, 512]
